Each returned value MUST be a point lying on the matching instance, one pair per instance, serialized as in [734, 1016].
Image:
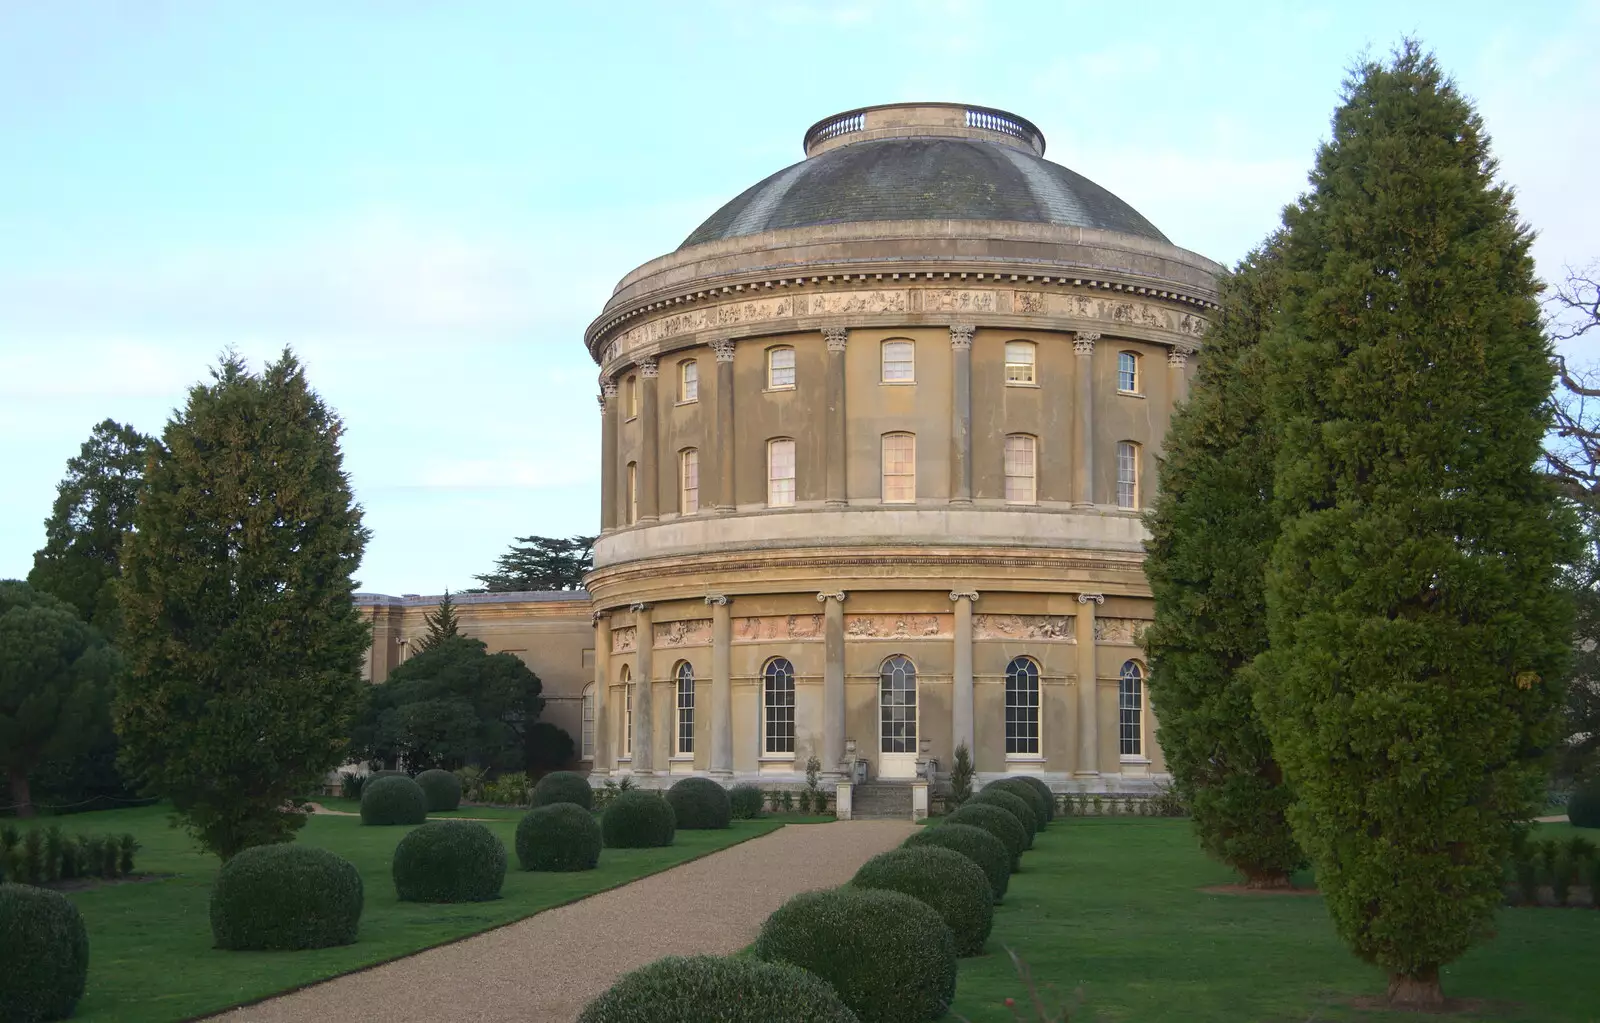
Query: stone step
[881, 801]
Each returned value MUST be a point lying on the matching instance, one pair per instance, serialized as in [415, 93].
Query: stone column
[836, 338]
[723, 347]
[961, 714]
[602, 681]
[721, 687]
[644, 734]
[1088, 685]
[961, 413]
[1177, 379]
[649, 457]
[833, 701]
[1083, 422]
[608, 457]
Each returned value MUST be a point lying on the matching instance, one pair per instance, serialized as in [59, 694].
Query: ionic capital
[599, 616]
[723, 347]
[971, 595]
[719, 599]
[961, 336]
[649, 369]
[1091, 598]
[1084, 342]
[645, 607]
[836, 337]
[825, 596]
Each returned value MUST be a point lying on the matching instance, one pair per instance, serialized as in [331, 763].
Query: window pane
[897, 706]
[1130, 704]
[685, 709]
[1022, 706]
[1127, 475]
[689, 502]
[899, 468]
[780, 473]
[689, 382]
[780, 367]
[1020, 471]
[899, 361]
[588, 722]
[633, 492]
[779, 703]
[627, 714]
[1127, 371]
[1019, 362]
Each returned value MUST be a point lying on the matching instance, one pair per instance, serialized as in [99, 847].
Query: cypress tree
[442, 622]
[1418, 630]
[1212, 528]
[243, 639]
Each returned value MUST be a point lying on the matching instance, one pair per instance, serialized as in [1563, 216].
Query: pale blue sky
[430, 201]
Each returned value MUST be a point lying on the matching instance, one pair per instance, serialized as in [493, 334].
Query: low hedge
[1013, 804]
[1025, 792]
[737, 989]
[745, 801]
[45, 952]
[890, 958]
[395, 799]
[1046, 796]
[449, 861]
[1583, 807]
[638, 820]
[563, 787]
[700, 804]
[944, 880]
[997, 822]
[558, 837]
[441, 790]
[981, 847]
[285, 897]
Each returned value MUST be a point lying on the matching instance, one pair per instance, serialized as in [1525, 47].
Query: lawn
[1112, 906]
[150, 954]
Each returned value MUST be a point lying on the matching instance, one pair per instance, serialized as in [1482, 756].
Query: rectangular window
[633, 397]
[780, 473]
[627, 731]
[899, 468]
[1019, 362]
[1022, 708]
[780, 369]
[686, 714]
[899, 362]
[779, 705]
[1127, 474]
[1130, 709]
[689, 481]
[633, 492]
[588, 724]
[689, 380]
[1128, 372]
[1021, 465]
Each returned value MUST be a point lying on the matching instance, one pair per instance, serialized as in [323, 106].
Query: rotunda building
[877, 439]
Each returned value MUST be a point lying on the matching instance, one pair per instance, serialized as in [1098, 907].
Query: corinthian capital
[1084, 343]
[723, 347]
[836, 337]
[961, 336]
[648, 369]
[1177, 357]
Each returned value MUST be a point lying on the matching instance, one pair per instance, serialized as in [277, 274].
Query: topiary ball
[745, 801]
[449, 861]
[393, 800]
[285, 897]
[1047, 797]
[700, 804]
[1025, 792]
[638, 820]
[736, 989]
[946, 881]
[45, 950]
[1013, 804]
[976, 844]
[1583, 807]
[388, 774]
[441, 790]
[997, 822]
[564, 787]
[561, 836]
[890, 958]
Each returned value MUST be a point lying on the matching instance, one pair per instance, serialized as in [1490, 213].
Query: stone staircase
[880, 800]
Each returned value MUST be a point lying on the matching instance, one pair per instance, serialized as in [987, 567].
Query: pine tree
[1418, 632]
[243, 639]
[1212, 529]
[442, 623]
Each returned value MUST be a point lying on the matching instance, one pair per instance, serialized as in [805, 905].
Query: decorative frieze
[1025, 628]
[777, 627]
[622, 640]
[899, 626]
[1119, 631]
[695, 632]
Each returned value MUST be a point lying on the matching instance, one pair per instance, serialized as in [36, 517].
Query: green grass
[497, 813]
[150, 954]
[1112, 905]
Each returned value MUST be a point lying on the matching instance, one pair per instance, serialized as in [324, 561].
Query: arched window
[899, 362]
[1021, 469]
[899, 468]
[1127, 474]
[778, 704]
[1128, 372]
[780, 473]
[688, 481]
[1130, 708]
[685, 676]
[688, 380]
[632, 388]
[587, 740]
[780, 369]
[1022, 706]
[1020, 362]
[627, 712]
[633, 492]
[897, 705]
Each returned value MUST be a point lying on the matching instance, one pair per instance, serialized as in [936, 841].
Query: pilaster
[721, 687]
[608, 457]
[1088, 686]
[961, 413]
[1083, 422]
[961, 712]
[837, 338]
[601, 764]
[1177, 375]
[643, 694]
[723, 347]
[649, 482]
[833, 701]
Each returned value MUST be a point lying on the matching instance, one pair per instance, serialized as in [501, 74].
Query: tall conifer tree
[1212, 529]
[1418, 632]
[442, 622]
[243, 639]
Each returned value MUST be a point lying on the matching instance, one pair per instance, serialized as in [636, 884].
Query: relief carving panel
[691, 633]
[777, 627]
[830, 303]
[1131, 312]
[957, 300]
[1124, 631]
[889, 626]
[622, 640]
[1060, 628]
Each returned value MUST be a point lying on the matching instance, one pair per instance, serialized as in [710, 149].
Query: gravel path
[546, 968]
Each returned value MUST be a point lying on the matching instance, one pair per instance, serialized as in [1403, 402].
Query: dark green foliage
[243, 638]
[1028, 794]
[564, 787]
[638, 820]
[1000, 823]
[947, 881]
[700, 804]
[537, 563]
[890, 958]
[1583, 806]
[1211, 532]
[393, 801]
[1418, 630]
[441, 790]
[449, 861]
[127, 845]
[285, 896]
[443, 623]
[548, 746]
[961, 773]
[350, 784]
[1013, 804]
[45, 952]
[1046, 797]
[976, 844]
[744, 801]
[736, 989]
[560, 837]
[388, 774]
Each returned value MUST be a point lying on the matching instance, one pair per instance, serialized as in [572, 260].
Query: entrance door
[897, 718]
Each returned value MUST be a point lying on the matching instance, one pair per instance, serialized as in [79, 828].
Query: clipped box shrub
[558, 837]
[1013, 804]
[285, 896]
[395, 799]
[988, 852]
[388, 774]
[1047, 797]
[890, 958]
[449, 861]
[441, 790]
[942, 879]
[736, 989]
[44, 954]
[638, 820]
[997, 822]
[745, 801]
[1583, 808]
[1025, 792]
[700, 804]
[564, 787]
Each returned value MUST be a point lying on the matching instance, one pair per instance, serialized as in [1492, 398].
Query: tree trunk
[20, 794]
[1416, 990]
[1266, 879]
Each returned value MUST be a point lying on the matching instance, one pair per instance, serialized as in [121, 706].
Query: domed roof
[923, 162]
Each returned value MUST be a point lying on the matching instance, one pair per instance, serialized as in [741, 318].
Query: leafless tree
[1573, 454]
